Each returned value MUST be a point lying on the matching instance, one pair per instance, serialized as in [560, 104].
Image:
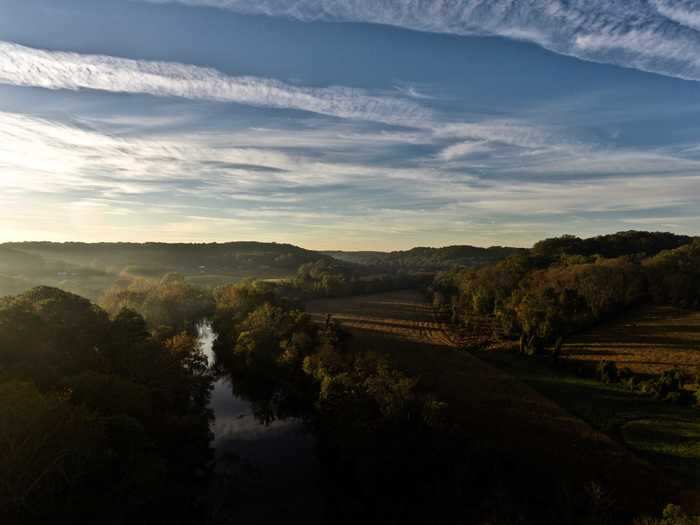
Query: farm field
[665, 434]
[206, 280]
[489, 404]
[648, 341]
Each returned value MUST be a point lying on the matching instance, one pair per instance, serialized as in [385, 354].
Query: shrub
[535, 346]
[668, 383]
[626, 374]
[631, 383]
[556, 351]
[607, 372]
[668, 387]
[671, 515]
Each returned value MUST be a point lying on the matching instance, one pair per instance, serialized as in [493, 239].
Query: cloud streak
[659, 36]
[25, 66]
[231, 183]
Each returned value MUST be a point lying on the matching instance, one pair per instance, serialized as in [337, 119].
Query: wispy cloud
[258, 183]
[464, 149]
[24, 66]
[659, 36]
[683, 12]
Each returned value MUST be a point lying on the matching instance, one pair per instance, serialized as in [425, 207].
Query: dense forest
[105, 405]
[428, 259]
[155, 258]
[107, 415]
[90, 269]
[566, 284]
[102, 272]
[98, 416]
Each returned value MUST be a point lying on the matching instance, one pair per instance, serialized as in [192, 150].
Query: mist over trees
[427, 259]
[154, 259]
[167, 304]
[104, 406]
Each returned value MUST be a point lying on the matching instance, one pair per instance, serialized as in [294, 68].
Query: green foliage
[671, 515]
[328, 278]
[487, 289]
[48, 447]
[561, 286]
[169, 302]
[234, 303]
[368, 417]
[46, 332]
[93, 411]
[674, 276]
[184, 258]
[14, 262]
[109, 394]
[615, 245]
[383, 438]
[275, 334]
[239, 300]
[606, 371]
[428, 259]
[324, 278]
[668, 386]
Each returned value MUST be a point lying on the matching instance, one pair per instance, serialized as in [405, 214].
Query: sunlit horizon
[314, 125]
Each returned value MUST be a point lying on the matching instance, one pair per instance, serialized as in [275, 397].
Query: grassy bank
[666, 435]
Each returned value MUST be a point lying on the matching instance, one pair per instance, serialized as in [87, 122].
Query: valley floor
[650, 340]
[492, 406]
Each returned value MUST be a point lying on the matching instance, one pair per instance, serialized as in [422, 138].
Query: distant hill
[15, 261]
[12, 285]
[428, 259]
[367, 258]
[614, 245]
[432, 259]
[156, 258]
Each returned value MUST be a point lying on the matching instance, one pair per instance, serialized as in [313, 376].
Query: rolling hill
[428, 259]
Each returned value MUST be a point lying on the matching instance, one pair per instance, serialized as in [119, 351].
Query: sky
[348, 124]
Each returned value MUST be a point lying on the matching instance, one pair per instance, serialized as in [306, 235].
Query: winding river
[281, 452]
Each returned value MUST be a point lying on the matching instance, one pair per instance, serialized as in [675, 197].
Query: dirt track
[488, 404]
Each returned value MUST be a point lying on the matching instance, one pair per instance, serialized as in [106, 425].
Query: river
[281, 453]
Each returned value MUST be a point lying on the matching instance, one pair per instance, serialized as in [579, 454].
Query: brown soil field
[490, 405]
[648, 341]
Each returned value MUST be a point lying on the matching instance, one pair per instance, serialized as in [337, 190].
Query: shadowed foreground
[491, 407]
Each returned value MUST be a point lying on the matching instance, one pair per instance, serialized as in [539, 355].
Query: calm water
[281, 452]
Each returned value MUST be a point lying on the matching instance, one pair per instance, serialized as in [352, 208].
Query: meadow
[493, 406]
[648, 340]
[547, 387]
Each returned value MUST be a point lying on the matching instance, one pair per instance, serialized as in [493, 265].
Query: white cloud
[643, 44]
[24, 66]
[659, 36]
[685, 13]
[515, 133]
[65, 180]
[464, 149]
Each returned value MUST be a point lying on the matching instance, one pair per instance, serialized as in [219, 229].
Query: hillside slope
[158, 257]
[428, 259]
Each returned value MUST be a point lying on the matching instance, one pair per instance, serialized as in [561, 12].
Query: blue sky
[351, 124]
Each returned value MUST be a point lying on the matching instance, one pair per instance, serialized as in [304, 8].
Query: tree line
[389, 448]
[560, 287]
[100, 418]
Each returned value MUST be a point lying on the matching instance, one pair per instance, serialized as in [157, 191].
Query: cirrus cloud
[659, 36]
[25, 66]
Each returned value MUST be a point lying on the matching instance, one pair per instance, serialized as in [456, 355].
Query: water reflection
[253, 431]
